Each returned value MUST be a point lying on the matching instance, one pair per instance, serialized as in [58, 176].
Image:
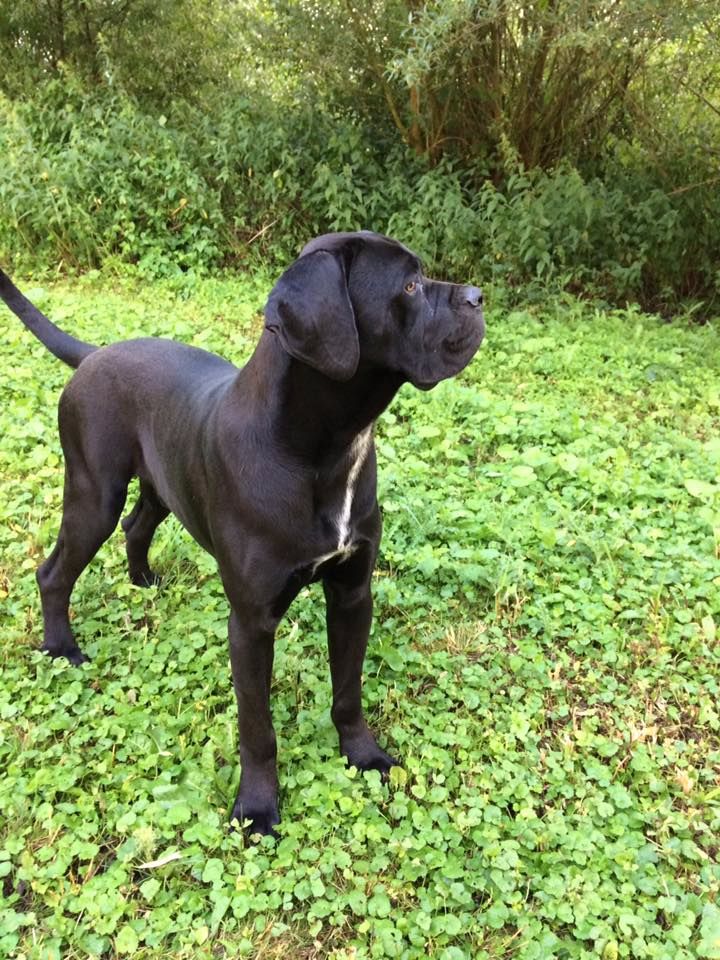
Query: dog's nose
[473, 296]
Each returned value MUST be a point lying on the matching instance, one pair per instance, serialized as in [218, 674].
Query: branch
[700, 96]
[693, 186]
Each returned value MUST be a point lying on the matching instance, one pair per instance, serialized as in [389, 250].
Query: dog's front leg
[251, 659]
[349, 614]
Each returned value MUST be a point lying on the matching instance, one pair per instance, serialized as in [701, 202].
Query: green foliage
[88, 178]
[91, 179]
[565, 145]
[561, 145]
[548, 82]
[614, 237]
[284, 176]
[157, 50]
[552, 80]
[544, 659]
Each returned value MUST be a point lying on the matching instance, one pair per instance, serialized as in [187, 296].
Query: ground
[545, 661]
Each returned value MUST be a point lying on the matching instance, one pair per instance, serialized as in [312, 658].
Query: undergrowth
[94, 180]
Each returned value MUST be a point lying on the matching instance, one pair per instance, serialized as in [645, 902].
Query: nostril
[473, 296]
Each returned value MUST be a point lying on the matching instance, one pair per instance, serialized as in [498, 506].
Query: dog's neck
[310, 412]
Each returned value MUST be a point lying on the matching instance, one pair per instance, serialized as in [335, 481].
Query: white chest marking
[343, 554]
[358, 453]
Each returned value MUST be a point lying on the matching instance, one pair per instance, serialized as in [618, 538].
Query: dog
[271, 467]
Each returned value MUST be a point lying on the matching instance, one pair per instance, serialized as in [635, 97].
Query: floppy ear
[310, 311]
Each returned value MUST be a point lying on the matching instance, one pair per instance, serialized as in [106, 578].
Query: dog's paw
[73, 655]
[255, 820]
[367, 755]
[383, 762]
[145, 578]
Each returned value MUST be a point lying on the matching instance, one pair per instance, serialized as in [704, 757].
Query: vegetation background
[564, 142]
[545, 656]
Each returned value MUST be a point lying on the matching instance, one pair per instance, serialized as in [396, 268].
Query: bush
[88, 178]
[557, 228]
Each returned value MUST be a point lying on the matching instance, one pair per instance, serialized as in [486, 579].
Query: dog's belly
[179, 485]
[192, 521]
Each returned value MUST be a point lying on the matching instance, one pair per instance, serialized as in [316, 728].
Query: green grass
[545, 659]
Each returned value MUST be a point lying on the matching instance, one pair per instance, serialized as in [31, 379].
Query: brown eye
[410, 287]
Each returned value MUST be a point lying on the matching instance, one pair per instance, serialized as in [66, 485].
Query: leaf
[317, 887]
[427, 431]
[393, 658]
[522, 475]
[398, 777]
[709, 946]
[213, 870]
[149, 888]
[126, 940]
[379, 905]
[700, 488]
[221, 903]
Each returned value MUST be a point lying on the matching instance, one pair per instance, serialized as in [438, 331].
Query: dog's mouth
[458, 343]
[424, 384]
[447, 357]
[464, 340]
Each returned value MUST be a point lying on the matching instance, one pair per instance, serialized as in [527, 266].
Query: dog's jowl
[270, 467]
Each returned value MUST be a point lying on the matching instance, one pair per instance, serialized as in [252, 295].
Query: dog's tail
[66, 348]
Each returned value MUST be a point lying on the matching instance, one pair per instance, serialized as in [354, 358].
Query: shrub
[86, 178]
[557, 228]
[92, 177]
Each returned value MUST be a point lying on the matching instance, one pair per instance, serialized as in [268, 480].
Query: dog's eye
[410, 287]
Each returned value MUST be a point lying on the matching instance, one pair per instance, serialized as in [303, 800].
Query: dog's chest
[335, 498]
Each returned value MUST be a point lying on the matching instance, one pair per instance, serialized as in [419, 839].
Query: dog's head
[360, 300]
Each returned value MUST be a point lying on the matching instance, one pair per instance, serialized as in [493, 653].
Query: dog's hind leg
[139, 526]
[92, 505]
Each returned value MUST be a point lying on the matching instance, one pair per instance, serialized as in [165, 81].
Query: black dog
[271, 468]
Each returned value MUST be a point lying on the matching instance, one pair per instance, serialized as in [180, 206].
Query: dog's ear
[310, 311]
